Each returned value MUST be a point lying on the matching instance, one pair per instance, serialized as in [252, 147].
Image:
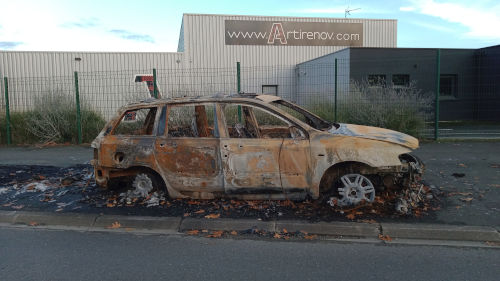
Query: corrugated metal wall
[106, 80]
[204, 41]
[49, 64]
[204, 47]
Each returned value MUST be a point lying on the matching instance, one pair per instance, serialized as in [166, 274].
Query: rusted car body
[249, 147]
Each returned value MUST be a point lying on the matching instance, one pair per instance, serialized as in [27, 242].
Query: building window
[270, 90]
[448, 85]
[376, 79]
[401, 80]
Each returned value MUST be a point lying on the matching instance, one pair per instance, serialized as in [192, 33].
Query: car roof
[213, 98]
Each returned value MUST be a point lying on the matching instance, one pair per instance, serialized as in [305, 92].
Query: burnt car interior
[136, 122]
[188, 120]
[255, 123]
[191, 121]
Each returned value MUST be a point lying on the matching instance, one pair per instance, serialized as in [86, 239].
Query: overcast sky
[142, 26]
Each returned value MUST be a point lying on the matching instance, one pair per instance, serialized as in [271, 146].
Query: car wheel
[352, 189]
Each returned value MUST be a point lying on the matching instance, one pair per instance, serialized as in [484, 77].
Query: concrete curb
[441, 232]
[226, 224]
[172, 225]
[166, 225]
[342, 229]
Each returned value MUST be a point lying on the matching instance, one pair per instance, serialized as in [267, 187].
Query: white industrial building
[268, 48]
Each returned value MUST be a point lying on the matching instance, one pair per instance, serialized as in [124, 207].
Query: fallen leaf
[193, 232]
[351, 216]
[17, 207]
[493, 243]
[114, 225]
[215, 234]
[204, 231]
[468, 199]
[369, 221]
[7, 205]
[284, 230]
[460, 193]
[192, 202]
[33, 223]
[462, 165]
[212, 216]
[234, 232]
[277, 235]
[458, 207]
[187, 214]
[200, 211]
[310, 237]
[110, 205]
[385, 237]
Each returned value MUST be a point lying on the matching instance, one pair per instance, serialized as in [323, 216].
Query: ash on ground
[73, 189]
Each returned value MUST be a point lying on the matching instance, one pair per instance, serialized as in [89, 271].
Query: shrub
[18, 128]
[401, 109]
[53, 118]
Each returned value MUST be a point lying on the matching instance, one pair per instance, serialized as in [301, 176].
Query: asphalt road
[35, 254]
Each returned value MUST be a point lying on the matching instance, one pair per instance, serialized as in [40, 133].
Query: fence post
[78, 114]
[7, 110]
[335, 119]
[155, 86]
[238, 78]
[436, 110]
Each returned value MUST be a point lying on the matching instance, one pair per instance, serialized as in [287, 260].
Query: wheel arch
[135, 170]
[338, 169]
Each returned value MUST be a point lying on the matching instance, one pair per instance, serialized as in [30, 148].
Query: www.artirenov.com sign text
[289, 33]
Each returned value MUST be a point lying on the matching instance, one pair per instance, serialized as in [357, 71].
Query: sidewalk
[392, 233]
[468, 172]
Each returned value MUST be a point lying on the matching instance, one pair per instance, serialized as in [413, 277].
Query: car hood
[375, 133]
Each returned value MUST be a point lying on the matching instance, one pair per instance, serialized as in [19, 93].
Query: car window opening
[305, 116]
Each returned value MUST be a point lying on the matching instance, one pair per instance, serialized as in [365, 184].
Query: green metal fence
[73, 108]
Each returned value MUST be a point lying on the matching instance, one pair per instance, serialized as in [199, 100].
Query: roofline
[347, 49]
[88, 52]
[494, 46]
[289, 17]
[410, 48]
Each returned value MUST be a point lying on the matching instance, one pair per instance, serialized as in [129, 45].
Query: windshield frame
[312, 119]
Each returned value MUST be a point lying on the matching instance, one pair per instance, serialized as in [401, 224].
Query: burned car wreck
[249, 147]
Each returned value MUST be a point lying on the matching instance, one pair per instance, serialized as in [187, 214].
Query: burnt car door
[294, 154]
[250, 157]
[131, 141]
[188, 151]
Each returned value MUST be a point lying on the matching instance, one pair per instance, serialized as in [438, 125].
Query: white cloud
[48, 28]
[434, 27]
[407, 9]
[482, 21]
